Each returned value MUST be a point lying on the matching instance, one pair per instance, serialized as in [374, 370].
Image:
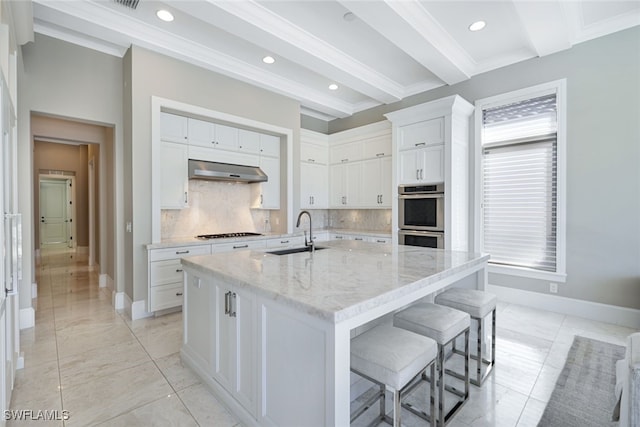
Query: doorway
[57, 211]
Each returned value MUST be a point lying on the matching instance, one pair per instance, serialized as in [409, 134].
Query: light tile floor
[104, 369]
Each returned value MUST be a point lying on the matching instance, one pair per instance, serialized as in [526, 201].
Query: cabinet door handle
[186, 199]
[227, 295]
[338, 237]
[417, 173]
[381, 241]
[182, 252]
[358, 238]
[311, 160]
[420, 143]
[179, 270]
[241, 246]
[421, 173]
[284, 241]
[344, 160]
[232, 304]
[178, 294]
[261, 199]
[379, 154]
[313, 200]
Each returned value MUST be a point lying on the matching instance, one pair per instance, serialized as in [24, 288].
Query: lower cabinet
[234, 337]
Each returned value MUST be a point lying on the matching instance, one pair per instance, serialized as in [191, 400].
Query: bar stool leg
[466, 364]
[479, 352]
[441, 409]
[397, 408]
[382, 402]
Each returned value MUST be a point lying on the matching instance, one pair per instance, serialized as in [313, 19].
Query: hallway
[84, 358]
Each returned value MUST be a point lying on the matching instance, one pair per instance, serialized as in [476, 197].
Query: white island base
[271, 334]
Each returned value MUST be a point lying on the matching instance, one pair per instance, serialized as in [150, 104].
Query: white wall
[603, 166]
[67, 81]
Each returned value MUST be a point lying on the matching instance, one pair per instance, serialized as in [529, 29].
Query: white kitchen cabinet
[376, 147]
[198, 328]
[345, 185]
[267, 194]
[314, 178]
[313, 153]
[173, 128]
[421, 165]
[234, 349]
[165, 275]
[378, 239]
[174, 176]
[209, 134]
[269, 145]
[422, 134]
[344, 153]
[248, 141]
[376, 183]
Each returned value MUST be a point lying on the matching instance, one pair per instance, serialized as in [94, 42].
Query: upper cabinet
[184, 138]
[360, 171]
[314, 170]
[432, 147]
[173, 128]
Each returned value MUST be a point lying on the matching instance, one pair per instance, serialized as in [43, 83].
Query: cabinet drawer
[239, 246]
[165, 272]
[376, 147]
[313, 154]
[286, 242]
[346, 152]
[421, 134]
[165, 296]
[178, 252]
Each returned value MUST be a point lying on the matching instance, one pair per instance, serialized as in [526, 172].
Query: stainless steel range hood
[214, 171]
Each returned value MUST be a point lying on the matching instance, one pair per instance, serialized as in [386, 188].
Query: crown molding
[48, 29]
[316, 114]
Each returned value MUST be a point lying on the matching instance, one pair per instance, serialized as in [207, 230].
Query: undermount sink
[294, 250]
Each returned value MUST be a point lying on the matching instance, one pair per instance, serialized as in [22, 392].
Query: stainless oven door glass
[421, 238]
[421, 212]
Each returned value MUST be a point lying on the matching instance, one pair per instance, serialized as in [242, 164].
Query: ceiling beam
[325, 58]
[545, 24]
[409, 26]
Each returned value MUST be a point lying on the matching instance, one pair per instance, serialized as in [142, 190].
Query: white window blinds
[520, 183]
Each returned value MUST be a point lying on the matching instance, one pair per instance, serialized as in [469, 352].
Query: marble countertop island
[342, 280]
[259, 328]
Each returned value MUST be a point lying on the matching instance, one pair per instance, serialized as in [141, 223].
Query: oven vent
[132, 4]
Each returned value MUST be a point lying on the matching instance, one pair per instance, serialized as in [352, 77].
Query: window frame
[559, 87]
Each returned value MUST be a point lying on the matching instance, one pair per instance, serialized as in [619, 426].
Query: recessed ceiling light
[349, 17]
[165, 15]
[268, 59]
[477, 26]
[333, 86]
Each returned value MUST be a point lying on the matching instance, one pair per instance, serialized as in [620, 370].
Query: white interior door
[54, 218]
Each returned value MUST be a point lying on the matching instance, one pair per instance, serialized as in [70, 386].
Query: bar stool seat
[478, 304]
[444, 325]
[392, 357]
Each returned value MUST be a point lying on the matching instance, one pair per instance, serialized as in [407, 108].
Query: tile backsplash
[221, 207]
[214, 207]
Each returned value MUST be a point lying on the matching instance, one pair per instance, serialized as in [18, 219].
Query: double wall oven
[421, 215]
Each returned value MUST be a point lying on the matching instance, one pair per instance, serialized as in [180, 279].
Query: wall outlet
[553, 288]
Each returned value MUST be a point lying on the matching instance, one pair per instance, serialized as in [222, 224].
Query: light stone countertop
[340, 282]
[193, 241]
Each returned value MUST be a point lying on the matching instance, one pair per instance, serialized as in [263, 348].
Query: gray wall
[603, 165]
[153, 74]
[67, 81]
[316, 125]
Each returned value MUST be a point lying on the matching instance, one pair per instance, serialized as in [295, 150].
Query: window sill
[527, 272]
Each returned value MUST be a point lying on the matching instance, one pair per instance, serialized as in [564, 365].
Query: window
[522, 146]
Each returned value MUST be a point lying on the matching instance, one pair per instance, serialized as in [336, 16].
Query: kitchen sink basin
[294, 250]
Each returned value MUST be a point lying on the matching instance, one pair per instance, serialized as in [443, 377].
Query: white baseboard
[616, 315]
[20, 361]
[104, 280]
[135, 309]
[117, 300]
[34, 290]
[27, 318]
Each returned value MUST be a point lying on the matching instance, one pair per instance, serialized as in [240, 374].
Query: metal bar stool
[444, 325]
[392, 357]
[478, 305]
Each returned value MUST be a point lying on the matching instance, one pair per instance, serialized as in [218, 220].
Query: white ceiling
[391, 50]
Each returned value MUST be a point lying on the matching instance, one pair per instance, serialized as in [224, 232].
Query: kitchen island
[271, 334]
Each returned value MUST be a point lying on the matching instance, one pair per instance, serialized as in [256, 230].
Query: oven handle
[421, 233]
[421, 196]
